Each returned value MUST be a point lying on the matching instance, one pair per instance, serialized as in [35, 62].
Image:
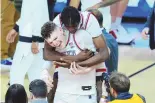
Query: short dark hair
[47, 29]
[70, 16]
[38, 88]
[98, 15]
[16, 94]
[119, 82]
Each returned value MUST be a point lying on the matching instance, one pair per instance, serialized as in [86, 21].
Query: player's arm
[51, 55]
[94, 29]
[102, 54]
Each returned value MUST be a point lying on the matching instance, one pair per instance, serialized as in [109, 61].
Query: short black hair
[38, 88]
[47, 29]
[70, 16]
[119, 82]
[98, 15]
[16, 94]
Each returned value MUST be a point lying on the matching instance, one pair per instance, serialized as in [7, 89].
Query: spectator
[119, 89]
[16, 94]
[38, 90]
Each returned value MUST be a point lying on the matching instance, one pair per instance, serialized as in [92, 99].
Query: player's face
[57, 38]
[72, 28]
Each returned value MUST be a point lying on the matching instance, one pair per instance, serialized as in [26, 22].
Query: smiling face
[57, 38]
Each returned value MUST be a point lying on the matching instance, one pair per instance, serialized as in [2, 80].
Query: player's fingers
[71, 66]
[34, 51]
[92, 54]
[49, 84]
[73, 69]
[70, 69]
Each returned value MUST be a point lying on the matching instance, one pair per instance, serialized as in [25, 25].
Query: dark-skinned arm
[51, 55]
[102, 54]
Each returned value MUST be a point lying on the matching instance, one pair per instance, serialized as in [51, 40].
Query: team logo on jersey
[70, 52]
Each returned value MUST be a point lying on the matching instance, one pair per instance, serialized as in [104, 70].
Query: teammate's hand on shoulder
[84, 55]
[11, 36]
[35, 47]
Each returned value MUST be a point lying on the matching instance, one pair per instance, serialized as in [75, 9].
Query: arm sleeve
[16, 26]
[93, 27]
[149, 17]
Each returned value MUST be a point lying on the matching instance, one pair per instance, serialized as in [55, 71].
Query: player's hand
[76, 69]
[35, 47]
[84, 55]
[11, 36]
[47, 78]
[145, 32]
[62, 64]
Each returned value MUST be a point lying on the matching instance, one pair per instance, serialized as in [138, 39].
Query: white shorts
[74, 98]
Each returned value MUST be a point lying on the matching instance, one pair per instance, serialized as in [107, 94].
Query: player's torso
[70, 83]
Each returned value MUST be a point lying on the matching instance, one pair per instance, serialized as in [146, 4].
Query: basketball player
[72, 44]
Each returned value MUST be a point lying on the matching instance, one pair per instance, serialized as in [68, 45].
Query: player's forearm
[51, 55]
[98, 58]
[105, 3]
[56, 56]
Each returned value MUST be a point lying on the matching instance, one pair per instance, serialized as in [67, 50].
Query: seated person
[16, 94]
[119, 89]
[38, 91]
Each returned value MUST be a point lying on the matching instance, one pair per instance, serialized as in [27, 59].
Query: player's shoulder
[84, 12]
[57, 20]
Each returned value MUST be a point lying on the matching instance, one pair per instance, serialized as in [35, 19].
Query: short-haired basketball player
[76, 83]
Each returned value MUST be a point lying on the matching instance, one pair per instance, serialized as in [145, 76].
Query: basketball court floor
[132, 58]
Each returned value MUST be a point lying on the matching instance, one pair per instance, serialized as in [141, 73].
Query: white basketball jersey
[70, 83]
